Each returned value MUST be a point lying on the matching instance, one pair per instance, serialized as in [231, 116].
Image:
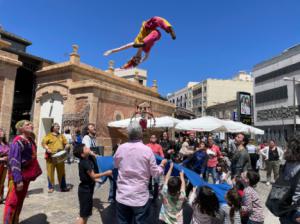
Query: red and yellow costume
[147, 36]
[23, 167]
[149, 32]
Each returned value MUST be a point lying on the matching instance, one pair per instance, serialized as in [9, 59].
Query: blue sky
[215, 38]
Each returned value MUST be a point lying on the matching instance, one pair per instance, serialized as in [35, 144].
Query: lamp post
[294, 99]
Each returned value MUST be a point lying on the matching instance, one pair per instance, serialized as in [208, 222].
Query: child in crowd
[173, 196]
[239, 185]
[252, 204]
[205, 204]
[222, 172]
[87, 181]
[231, 210]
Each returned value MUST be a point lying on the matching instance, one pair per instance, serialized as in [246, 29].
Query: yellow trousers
[61, 175]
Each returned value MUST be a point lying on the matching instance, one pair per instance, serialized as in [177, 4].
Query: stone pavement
[41, 207]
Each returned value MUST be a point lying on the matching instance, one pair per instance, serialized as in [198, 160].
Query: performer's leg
[124, 47]
[61, 175]
[165, 25]
[21, 197]
[14, 202]
[50, 175]
[150, 39]
[3, 172]
[135, 60]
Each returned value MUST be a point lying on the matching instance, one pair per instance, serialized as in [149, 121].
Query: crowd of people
[136, 180]
[238, 165]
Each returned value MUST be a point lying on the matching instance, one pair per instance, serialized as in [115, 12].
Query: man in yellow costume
[54, 142]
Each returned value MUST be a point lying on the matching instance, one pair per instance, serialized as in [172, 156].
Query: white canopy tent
[202, 124]
[160, 122]
[212, 124]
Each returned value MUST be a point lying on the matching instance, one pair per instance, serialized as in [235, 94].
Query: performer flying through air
[145, 40]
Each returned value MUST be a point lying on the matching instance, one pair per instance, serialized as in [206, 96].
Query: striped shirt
[253, 205]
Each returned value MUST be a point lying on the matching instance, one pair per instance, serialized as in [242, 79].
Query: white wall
[51, 108]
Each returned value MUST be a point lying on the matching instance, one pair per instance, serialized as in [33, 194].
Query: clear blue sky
[215, 38]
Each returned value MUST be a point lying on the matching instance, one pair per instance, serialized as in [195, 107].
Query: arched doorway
[52, 107]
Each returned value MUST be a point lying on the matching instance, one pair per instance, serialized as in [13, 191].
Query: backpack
[279, 201]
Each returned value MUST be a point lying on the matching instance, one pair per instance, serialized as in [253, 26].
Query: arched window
[118, 115]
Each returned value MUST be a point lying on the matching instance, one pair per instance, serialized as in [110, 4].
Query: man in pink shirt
[135, 163]
[213, 152]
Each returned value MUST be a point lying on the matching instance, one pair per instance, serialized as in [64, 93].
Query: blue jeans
[112, 189]
[127, 214]
[213, 172]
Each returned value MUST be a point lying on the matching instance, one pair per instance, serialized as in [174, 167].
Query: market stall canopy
[202, 124]
[235, 127]
[160, 122]
[212, 124]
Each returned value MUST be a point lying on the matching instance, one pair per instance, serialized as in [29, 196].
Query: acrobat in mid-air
[145, 40]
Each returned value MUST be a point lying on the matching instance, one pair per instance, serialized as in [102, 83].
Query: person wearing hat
[54, 142]
[23, 168]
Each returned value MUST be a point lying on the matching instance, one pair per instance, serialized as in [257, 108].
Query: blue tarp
[106, 163]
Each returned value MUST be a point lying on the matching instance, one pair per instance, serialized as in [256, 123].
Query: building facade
[227, 110]
[211, 92]
[133, 74]
[273, 96]
[183, 98]
[17, 80]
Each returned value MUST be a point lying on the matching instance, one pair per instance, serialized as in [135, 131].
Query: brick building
[73, 94]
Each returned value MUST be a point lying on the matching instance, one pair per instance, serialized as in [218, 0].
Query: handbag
[31, 171]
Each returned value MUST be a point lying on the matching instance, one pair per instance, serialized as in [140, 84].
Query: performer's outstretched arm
[124, 47]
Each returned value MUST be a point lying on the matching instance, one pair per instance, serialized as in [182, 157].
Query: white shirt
[251, 149]
[69, 138]
[89, 141]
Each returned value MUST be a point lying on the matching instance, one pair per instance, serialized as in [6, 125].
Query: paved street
[41, 207]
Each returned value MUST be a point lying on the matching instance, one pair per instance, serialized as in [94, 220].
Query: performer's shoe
[51, 190]
[172, 33]
[66, 189]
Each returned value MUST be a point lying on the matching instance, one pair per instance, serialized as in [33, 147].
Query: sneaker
[268, 183]
[51, 190]
[66, 189]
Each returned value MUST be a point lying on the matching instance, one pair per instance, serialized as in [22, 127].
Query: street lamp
[294, 98]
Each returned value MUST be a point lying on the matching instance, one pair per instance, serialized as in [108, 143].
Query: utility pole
[294, 104]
